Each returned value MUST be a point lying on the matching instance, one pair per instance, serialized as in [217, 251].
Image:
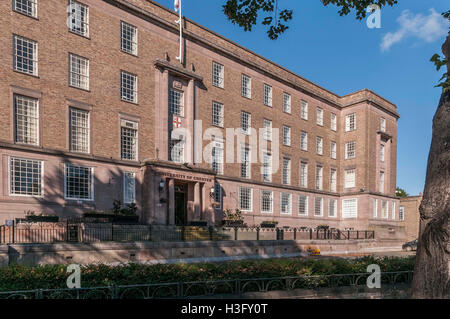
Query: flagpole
[180, 57]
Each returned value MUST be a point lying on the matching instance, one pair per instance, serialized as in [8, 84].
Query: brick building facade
[91, 91]
[409, 212]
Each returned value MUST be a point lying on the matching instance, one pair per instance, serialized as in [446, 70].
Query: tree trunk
[432, 269]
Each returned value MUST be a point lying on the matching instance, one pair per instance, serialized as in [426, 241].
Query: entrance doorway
[180, 205]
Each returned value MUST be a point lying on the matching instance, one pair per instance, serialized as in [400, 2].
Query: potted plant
[233, 219]
[269, 224]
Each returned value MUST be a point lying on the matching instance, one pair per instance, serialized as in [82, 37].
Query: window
[79, 130]
[303, 174]
[333, 180]
[382, 152]
[304, 141]
[333, 122]
[128, 87]
[25, 55]
[332, 208]
[318, 206]
[246, 122]
[350, 150]
[176, 102]
[129, 140]
[319, 177]
[246, 88]
[375, 208]
[319, 145]
[286, 203]
[333, 150]
[401, 213]
[393, 210]
[319, 118]
[286, 135]
[79, 182]
[286, 171]
[26, 120]
[350, 178]
[267, 95]
[218, 74]
[267, 130]
[218, 194]
[128, 38]
[384, 209]
[129, 187]
[350, 122]
[78, 71]
[381, 182]
[267, 167]
[350, 208]
[27, 7]
[176, 149]
[245, 162]
[217, 157]
[245, 199]
[266, 201]
[286, 103]
[383, 124]
[25, 177]
[303, 205]
[217, 114]
[304, 110]
[78, 18]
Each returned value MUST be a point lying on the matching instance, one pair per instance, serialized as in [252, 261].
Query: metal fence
[392, 280]
[102, 232]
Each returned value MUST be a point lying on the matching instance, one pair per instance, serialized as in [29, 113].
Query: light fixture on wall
[212, 192]
[161, 185]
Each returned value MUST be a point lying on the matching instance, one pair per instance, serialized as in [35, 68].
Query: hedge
[55, 276]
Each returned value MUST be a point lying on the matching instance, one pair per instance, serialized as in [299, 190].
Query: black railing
[104, 232]
[391, 282]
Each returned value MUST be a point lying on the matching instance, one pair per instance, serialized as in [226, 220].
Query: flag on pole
[176, 5]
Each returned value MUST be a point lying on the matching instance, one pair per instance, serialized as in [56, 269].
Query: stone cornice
[182, 72]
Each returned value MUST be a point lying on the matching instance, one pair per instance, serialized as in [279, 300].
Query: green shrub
[55, 276]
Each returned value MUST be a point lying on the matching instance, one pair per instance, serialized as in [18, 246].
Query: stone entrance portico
[176, 194]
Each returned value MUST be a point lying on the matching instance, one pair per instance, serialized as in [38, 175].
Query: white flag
[176, 5]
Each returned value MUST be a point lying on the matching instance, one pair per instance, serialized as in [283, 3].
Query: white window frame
[319, 177]
[382, 152]
[176, 102]
[286, 174]
[75, 8]
[179, 146]
[76, 140]
[30, 61]
[31, 7]
[304, 110]
[332, 206]
[217, 114]
[126, 126]
[246, 86]
[268, 95]
[289, 203]
[375, 208]
[287, 99]
[267, 167]
[333, 119]
[318, 200]
[286, 135]
[267, 129]
[350, 122]
[11, 178]
[304, 141]
[303, 174]
[394, 211]
[217, 153]
[333, 150]
[333, 180]
[246, 122]
[382, 124]
[302, 198]
[129, 196]
[384, 209]
[319, 116]
[218, 75]
[350, 178]
[29, 123]
[350, 150]
[263, 211]
[128, 87]
[78, 71]
[125, 30]
[245, 162]
[401, 213]
[250, 199]
[91, 195]
[352, 214]
[319, 145]
[382, 186]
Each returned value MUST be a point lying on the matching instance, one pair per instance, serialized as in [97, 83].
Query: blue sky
[343, 55]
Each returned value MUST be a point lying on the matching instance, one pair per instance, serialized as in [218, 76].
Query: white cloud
[428, 28]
